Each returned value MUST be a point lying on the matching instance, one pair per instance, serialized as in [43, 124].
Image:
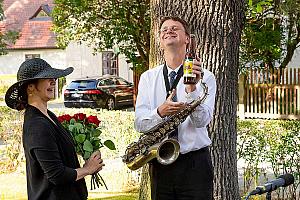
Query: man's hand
[170, 107]
[197, 69]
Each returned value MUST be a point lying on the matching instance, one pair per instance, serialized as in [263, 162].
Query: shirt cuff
[191, 96]
[156, 116]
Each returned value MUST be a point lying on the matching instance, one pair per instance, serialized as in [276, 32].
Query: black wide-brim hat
[29, 70]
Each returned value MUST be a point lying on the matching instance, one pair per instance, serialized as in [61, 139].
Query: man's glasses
[170, 28]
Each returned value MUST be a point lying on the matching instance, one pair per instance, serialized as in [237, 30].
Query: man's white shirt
[192, 133]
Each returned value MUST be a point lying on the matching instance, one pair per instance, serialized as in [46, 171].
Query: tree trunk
[217, 25]
[145, 188]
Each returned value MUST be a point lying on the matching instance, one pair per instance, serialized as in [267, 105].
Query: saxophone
[151, 144]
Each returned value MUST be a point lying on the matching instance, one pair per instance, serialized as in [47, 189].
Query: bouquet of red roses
[85, 132]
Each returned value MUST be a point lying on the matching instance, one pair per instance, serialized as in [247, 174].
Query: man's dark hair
[174, 18]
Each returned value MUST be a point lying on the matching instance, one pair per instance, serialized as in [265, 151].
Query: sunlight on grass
[133, 196]
[8, 76]
[13, 187]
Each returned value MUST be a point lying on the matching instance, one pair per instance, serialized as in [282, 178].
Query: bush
[116, 125]
[270, 146]
[10, 134]
[5, 82]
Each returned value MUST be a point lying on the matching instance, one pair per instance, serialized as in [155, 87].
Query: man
[191, 175]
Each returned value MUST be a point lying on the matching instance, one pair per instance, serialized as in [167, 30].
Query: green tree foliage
[7, 37]
[271, 33]
[122, 25]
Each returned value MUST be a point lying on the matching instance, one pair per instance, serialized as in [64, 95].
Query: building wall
[124, 69]
[9, 64]
[78, 56]
[295, 62]
[86, 64]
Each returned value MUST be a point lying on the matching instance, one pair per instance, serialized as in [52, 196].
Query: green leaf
[96, 143]
[87, 146]
[250, 3]
[96, 133]
[87, 155]
[259, 8]
[80, 138]
[71, 128]
[78, 125]
[72, 121]
[109, 144]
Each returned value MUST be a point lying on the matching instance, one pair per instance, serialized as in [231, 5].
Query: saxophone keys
[162, 130]
[166, 127]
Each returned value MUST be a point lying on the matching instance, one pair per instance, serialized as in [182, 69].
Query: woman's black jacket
[51, 159]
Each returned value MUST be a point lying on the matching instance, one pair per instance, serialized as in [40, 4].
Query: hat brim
[13, 94]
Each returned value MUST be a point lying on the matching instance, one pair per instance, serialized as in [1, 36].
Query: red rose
[67, 117]
[79, 116]
[60, 119]
[94, 120]
[63, 118]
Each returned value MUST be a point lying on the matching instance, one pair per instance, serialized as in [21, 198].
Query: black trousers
[190, 177]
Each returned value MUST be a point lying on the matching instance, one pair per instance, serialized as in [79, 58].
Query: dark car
[104, 92]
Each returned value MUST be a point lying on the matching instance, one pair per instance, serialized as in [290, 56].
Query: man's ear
[187, 40]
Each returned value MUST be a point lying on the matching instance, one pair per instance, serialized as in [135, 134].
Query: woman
[52, 167]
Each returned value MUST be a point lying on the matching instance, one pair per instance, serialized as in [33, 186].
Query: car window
[121, 82]
[88, 84]
[103, 82]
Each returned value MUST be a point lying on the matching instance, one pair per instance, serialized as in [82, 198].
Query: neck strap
[166, 78]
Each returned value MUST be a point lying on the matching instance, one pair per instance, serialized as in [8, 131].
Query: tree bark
[145, 188]
[217, 25]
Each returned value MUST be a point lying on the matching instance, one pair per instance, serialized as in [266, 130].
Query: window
[121, 82]
[41, 14]
[87, 84]
[30, 56]
[110, 63]
[105, 82]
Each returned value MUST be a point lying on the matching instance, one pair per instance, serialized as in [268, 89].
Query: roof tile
[33, 33]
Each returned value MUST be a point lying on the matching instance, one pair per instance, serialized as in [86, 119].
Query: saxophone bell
[168, 151]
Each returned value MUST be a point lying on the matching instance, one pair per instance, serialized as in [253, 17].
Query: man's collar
[170, 69]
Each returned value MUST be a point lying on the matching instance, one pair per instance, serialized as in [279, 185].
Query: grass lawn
[13, 187]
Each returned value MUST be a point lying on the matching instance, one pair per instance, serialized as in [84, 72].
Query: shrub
[10, 134]
[5, 82]
[117, 126]
[270, 145]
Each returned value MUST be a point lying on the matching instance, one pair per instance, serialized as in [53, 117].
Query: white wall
[88, 65]
[295, 62]
[124, 69]
[78, 56]
[10, 63]
[84, 62]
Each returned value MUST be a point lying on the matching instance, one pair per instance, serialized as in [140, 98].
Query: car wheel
[110, 104]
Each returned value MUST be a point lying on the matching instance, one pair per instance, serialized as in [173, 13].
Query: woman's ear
[30, 88]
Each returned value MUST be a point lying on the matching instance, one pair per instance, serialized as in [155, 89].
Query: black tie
[172, 79]
[172, 76]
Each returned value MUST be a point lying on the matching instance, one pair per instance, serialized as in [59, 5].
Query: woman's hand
[92, 165]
